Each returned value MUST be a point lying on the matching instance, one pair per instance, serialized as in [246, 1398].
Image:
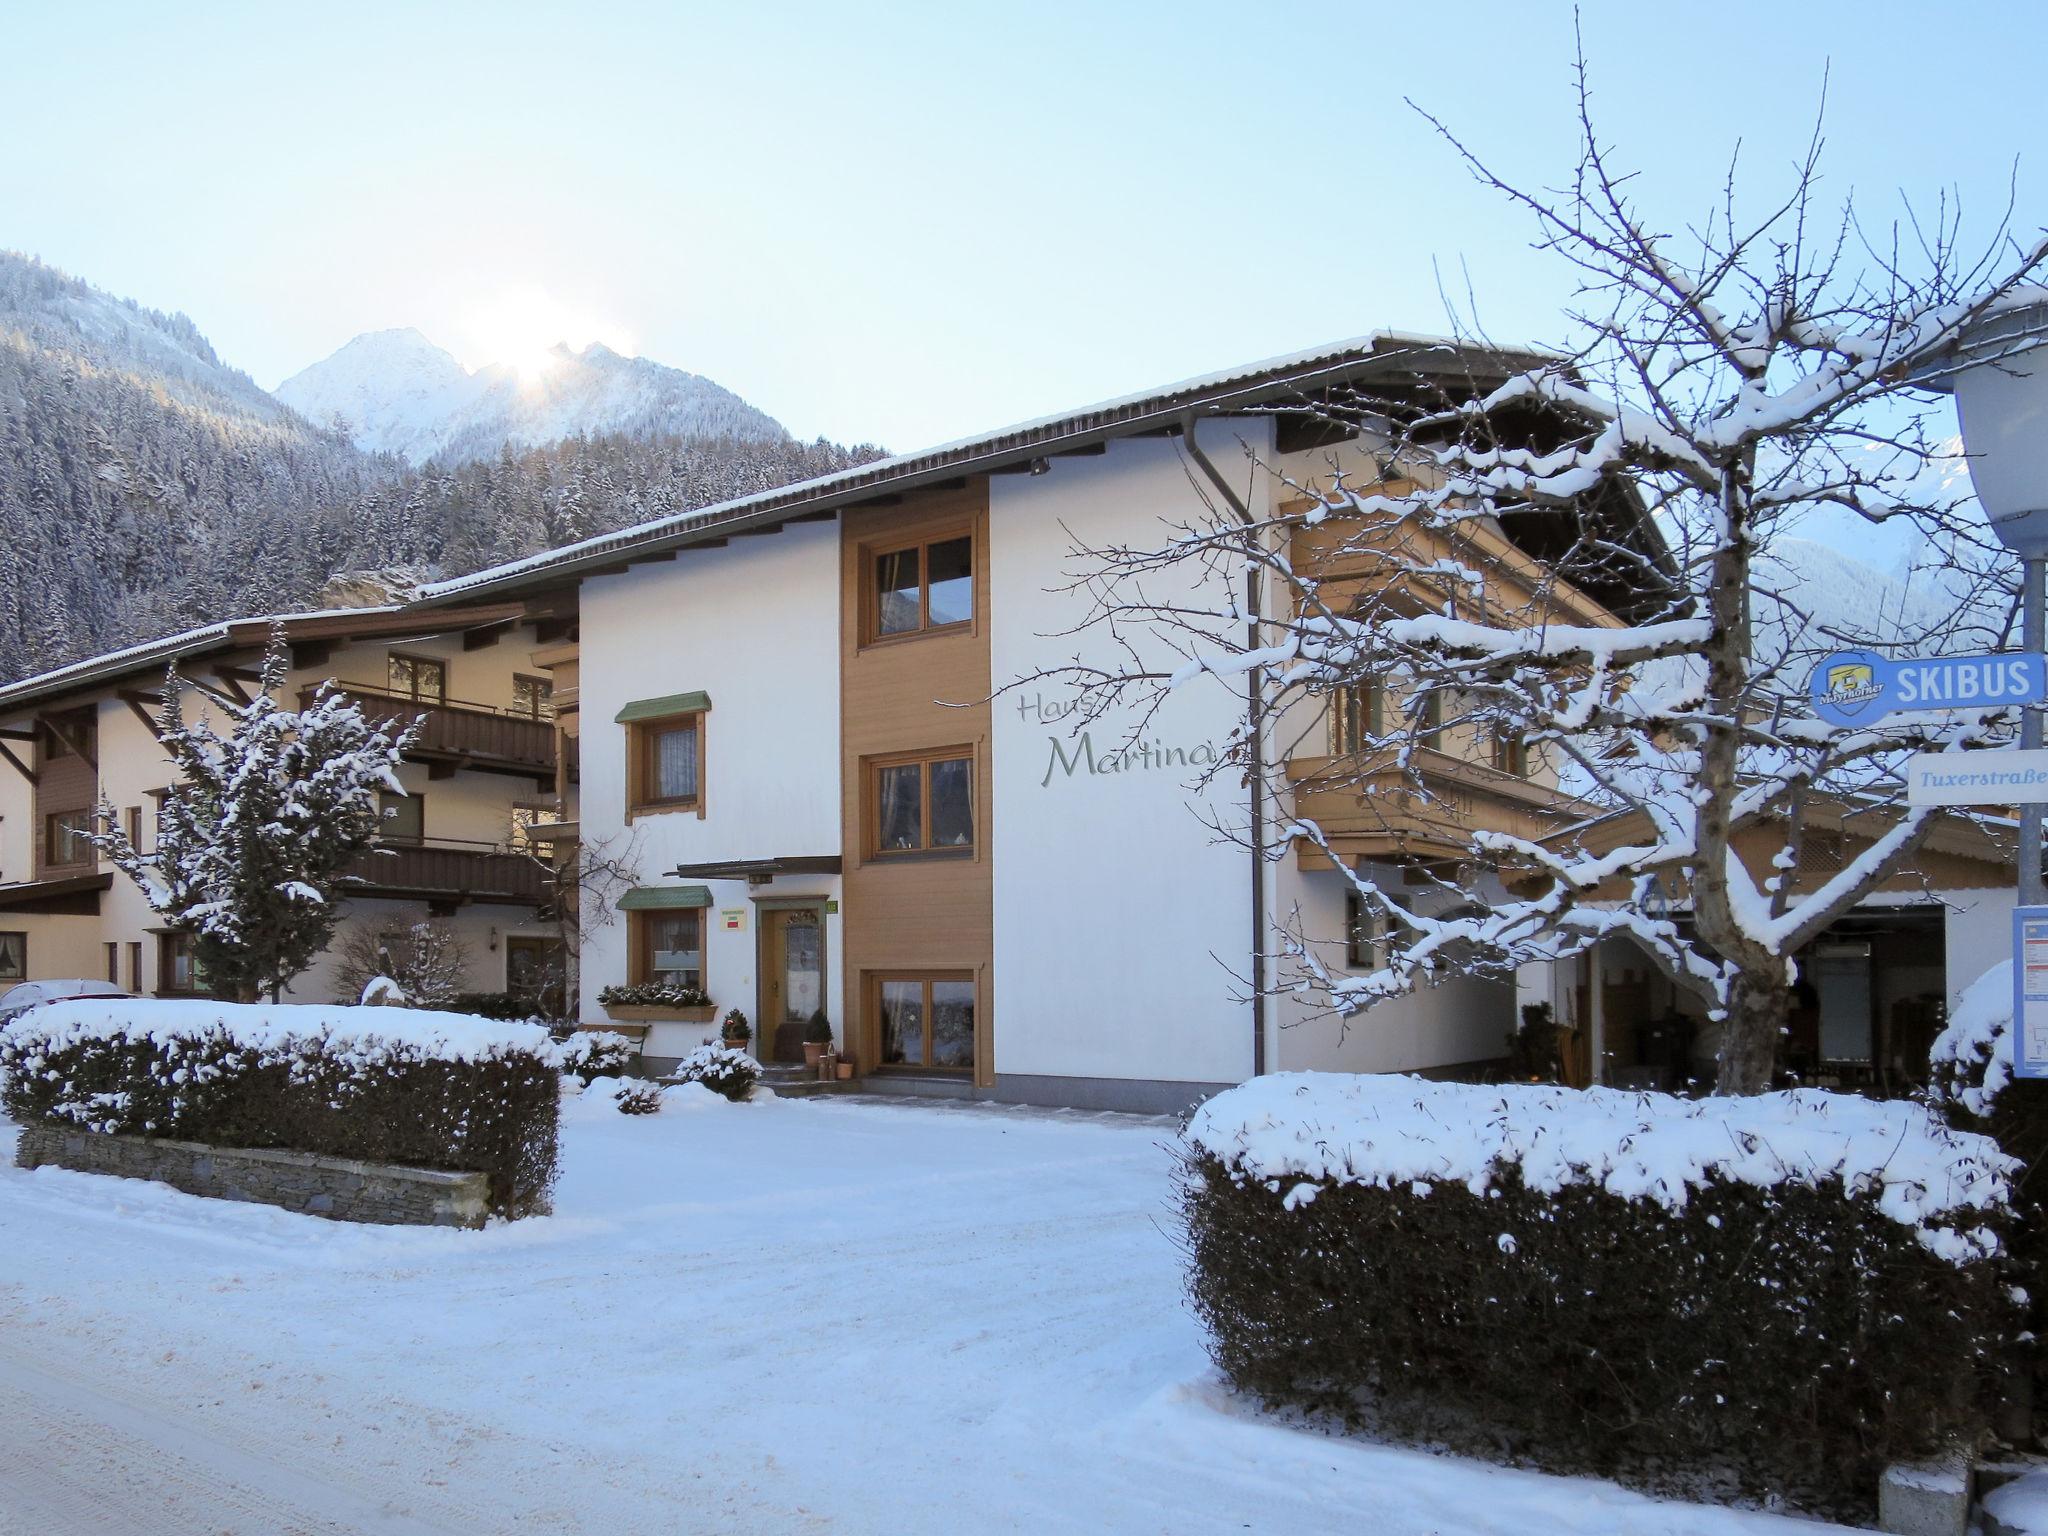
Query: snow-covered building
[487, 782]
[824, 725]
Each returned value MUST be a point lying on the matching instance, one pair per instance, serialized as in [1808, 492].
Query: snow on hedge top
[1972, 1058]
[1387, 1131]
[345, 1030]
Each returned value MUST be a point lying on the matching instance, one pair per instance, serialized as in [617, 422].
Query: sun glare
[520, 328]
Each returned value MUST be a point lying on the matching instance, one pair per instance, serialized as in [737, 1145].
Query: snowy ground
[841, 1316]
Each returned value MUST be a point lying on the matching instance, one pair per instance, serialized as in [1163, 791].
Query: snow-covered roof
[228, 634]
[1245, 387]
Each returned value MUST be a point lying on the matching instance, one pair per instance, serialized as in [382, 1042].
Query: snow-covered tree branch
[1548, 640]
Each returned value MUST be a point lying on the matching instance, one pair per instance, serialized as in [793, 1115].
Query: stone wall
[335, 1187]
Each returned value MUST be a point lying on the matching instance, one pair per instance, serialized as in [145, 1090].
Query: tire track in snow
[81, 1461]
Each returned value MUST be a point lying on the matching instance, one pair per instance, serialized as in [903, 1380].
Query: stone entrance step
[793, 1080]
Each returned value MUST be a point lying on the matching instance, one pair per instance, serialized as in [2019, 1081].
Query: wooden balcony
[446, 874]
[1377, 812]
[455, 734]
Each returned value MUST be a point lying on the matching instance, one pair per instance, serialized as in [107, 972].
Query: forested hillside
[146, 487]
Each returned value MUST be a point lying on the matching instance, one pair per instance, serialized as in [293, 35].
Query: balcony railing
[1375, 810]
[462, 734]
[452, 872]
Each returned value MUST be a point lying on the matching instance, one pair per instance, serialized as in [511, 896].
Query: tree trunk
[1759, 1009]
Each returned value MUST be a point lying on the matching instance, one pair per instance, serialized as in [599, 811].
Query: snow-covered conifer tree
[260, 826]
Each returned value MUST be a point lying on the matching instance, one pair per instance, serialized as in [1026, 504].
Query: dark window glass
[13, 956]
[418, 677]
[896, 592]
[903, 1023]
[952, 782]
[405, 817]
[533, 697]
[950, 577]
[899, 816]
[952, 1023]
[67, 837]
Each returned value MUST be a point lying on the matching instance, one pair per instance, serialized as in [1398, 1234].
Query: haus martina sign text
[1853, 688]
[1073, 754]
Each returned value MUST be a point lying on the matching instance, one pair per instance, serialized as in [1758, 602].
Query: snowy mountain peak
[395, 391]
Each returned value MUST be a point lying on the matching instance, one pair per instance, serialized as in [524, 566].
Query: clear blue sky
[905, 223]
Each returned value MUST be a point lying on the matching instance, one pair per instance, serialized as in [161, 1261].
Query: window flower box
[661, 1013]
[657, 1002]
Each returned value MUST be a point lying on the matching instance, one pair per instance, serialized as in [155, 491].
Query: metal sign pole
[2034, 621]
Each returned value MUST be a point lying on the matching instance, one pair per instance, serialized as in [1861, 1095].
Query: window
[419, 677]
[533, 697]
[67, 837]
[113, 950]
[1354, 717]
[525, 818]
[13, 955]
[922, 804]
[135, 966]
[923, 587]
[131, 823]
[1510, 753]
[667, 763]
[1432, 722]
[405, 817]
[926, 1020]
[177, 969]
[1361, 933]
[69, 734]
[668, 947]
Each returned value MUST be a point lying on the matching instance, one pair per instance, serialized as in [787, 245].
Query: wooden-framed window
[131, 823]
[918, 588]
[666, 764]
[135, 966]
[666, 947]
[924, 1019]
[67, 838]
[1432, 723]
[70, 734]
[422, 678]
[178, 972]
[13, 955]
[533, 697]
[1510, 754]
[1355, 711]
[921, 803]
[1361, 933]
[113, 949]
[526, 817]
[404, 817]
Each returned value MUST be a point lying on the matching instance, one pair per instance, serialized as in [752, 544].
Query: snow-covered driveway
[840, 1316]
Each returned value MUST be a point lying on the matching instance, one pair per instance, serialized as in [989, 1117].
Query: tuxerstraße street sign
[1977, 778]
[1853, 688]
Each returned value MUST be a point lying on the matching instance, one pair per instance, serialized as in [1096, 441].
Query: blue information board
[2030, 992]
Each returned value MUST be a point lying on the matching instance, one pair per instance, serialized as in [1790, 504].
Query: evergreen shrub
[383, 1085]
[1501, 1286]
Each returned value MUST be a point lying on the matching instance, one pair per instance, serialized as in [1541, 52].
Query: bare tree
[423, 956]
[583, 880]
[1572, 556]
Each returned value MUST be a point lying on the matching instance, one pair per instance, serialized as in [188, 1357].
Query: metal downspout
[1255, 681]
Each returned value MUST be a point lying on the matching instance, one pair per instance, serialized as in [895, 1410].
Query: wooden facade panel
[66, 780]
[905, 694]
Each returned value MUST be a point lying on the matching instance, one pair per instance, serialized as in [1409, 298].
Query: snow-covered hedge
[391, 1085]
[1788, 1290]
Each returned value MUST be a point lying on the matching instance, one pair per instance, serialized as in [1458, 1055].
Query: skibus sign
[1860, 688]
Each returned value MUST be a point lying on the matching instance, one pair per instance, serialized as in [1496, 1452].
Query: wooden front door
[792, 978]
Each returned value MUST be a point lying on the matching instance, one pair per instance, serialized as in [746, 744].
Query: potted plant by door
[735, 1032]
[817, 1039]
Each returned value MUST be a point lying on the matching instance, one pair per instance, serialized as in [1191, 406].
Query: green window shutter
[660, 898]
[671, 704]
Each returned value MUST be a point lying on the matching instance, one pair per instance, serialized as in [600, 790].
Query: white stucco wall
[756, 626]
[1118, 915]
[1978, 931]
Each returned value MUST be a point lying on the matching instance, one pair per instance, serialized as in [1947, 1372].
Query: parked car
[18, 999]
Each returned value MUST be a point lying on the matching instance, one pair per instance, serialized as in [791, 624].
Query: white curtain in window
[675, 764]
